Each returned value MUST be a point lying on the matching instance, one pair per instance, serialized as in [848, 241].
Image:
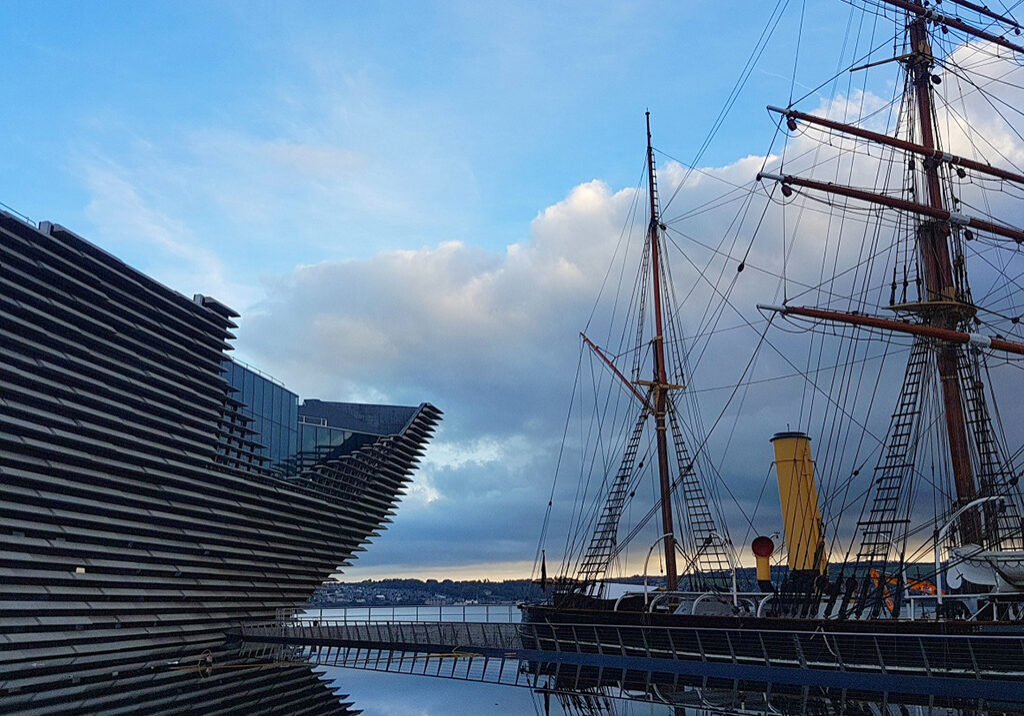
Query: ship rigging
[857, 541]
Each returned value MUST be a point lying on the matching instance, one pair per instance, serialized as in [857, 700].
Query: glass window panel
[257, 396]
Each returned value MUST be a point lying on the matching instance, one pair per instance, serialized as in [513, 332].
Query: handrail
[917, 602]
[418, 612]
[971, 656]
[249, 627]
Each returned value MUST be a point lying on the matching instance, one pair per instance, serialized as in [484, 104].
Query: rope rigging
[871, 398]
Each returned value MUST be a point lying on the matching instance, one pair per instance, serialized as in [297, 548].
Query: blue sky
[452, 118]
[417, 201]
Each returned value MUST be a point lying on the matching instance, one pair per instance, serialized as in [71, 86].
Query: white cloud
[157, 243]
[479, 452]
[422, 491]
[452, 317]
[489, 335]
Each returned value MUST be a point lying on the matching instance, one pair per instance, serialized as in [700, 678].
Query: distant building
[154, 493]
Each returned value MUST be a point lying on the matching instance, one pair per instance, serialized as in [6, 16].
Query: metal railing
[1006, 606]
[489, 613]
[960, 655]
[977, 656]
[388, 635]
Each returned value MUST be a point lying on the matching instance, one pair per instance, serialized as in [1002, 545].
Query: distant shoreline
[445, 592]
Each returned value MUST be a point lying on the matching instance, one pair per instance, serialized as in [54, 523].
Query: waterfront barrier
[507, 612]
[963, 665]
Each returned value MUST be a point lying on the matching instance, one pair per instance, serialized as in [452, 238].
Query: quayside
[666, 662]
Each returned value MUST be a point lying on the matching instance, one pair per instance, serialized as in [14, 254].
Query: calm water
[382, 694]
[388, 694]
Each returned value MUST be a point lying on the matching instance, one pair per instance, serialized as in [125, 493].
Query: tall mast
[945, 308]
[933, 249]
[660, 385]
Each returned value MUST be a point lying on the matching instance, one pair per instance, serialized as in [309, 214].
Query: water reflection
[383, 682]
[190, 681]
[501, 680]
[475, 613]
[384, 694]
[381, 693]
[284, 680]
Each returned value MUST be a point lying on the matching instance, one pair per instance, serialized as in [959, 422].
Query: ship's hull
[982, 659]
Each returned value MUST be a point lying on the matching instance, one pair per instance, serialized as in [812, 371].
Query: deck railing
[973, 656]
[957, 655]
[388, 635]
[915, 607]
[506, 612]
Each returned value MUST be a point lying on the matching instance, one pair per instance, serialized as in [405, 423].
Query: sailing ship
[924, 602]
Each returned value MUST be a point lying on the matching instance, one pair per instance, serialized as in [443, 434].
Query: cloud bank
[341, 164]
[491, 337]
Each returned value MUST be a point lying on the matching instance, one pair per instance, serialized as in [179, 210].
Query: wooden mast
[660, 385]
[888, 324]
[943, 309]
[920, 150]
[938, 213]
[929, 13]
[933, 250]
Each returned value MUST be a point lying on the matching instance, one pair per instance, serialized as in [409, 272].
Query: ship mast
[660, 385]
[933, 249]
[944, 309]
[709, 542]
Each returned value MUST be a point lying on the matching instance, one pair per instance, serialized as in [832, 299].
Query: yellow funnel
[798, 493]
